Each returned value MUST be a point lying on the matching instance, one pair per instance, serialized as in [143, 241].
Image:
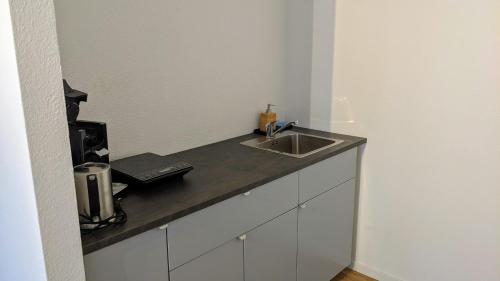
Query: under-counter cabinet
[325, 225]
[195, 234]
[266, 253]
[258, 219]
[326, 216]
[142, 257]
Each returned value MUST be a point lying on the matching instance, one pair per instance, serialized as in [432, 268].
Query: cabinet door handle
[303, 206]
[163, 227]
[242, 237]
[246, 193]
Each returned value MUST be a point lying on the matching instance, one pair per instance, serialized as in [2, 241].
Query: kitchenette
[196, 147]
[242, 213]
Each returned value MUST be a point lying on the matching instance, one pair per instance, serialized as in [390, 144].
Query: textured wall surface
[45, 117]
[423, 82]
[171, 75]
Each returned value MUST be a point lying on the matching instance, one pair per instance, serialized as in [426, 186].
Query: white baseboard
[374, 273]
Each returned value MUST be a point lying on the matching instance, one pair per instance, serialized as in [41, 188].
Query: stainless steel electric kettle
[94, 194]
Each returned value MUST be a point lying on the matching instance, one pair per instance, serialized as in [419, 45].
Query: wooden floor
[351, 275]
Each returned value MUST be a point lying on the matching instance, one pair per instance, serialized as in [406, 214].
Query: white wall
[20, 240]
[171, 75]
[38, 202]
[322, 64]
[310, 31]
[299, 34]
[423, 82]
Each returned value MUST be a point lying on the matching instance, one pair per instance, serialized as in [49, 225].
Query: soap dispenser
[267, 117]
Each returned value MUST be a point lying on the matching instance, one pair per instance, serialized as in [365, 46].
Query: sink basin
[293, 144]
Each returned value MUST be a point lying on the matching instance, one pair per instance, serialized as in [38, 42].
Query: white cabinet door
[325, 232]
[142, 257]
[224, 263]
[271, 250]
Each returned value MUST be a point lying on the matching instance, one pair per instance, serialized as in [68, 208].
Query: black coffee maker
[89, 140]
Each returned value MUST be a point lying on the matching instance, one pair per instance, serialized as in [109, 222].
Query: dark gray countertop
[221, 170]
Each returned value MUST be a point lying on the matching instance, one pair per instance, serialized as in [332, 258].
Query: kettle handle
[93, 192]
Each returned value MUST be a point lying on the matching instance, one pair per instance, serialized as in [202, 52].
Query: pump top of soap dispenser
[268, 110]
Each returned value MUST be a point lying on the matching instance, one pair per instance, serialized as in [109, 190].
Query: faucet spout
[269, 128]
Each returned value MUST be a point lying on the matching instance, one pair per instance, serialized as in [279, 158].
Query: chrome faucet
[270, 133]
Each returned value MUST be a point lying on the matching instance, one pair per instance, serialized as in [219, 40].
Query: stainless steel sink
[293, 144]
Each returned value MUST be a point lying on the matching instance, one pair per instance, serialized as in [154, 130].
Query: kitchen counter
[221, 170]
